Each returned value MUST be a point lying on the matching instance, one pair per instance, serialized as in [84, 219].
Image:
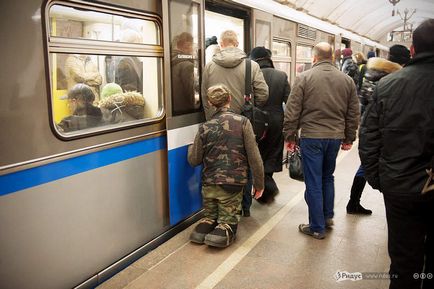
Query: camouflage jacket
[227, 148]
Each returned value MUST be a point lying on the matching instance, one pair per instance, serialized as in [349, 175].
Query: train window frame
[302, 60]
[153, 54]
[285, 59]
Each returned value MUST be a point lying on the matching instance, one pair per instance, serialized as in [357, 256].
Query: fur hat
[260, 52]
[399, 54]
[347, 52]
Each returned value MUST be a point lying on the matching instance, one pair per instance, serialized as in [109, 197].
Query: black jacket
[397, 134]
[271, 147]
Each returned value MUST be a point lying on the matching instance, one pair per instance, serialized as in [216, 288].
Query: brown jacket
[323, 103]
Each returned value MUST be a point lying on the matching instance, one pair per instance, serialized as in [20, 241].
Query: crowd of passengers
[393, 98]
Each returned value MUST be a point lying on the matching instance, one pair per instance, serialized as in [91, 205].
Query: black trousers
[410, 222]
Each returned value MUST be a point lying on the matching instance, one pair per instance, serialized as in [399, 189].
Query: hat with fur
[399, 54]
[347, 52]
[260, 52]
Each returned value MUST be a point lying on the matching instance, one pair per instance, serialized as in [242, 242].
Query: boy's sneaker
[204, 227]
[222, 236]
[305, 229]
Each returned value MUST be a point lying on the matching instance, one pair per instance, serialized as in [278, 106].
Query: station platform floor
[270, 252]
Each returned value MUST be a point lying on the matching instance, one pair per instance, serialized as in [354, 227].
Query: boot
[222, 236]
[204, 227]
[353, 206]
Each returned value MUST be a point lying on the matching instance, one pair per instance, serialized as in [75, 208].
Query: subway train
[82, 196]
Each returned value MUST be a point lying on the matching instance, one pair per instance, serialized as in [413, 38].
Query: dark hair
[399, 54]
[81, 91]
[260, 52]
[423, 37]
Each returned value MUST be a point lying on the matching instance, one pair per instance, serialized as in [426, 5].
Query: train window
[304, 58]
[263, 32]
[282, 57]
[184, 15]
[105, 69]
[77, 22]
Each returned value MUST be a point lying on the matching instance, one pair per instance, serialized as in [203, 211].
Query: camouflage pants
[221, 205]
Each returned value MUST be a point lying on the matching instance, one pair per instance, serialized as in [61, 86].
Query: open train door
[183, 20]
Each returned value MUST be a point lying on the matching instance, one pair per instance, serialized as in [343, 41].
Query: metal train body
[76, 207]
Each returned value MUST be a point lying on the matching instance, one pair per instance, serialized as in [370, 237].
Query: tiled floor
[270, 252]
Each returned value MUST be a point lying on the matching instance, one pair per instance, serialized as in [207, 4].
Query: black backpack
[258, 118]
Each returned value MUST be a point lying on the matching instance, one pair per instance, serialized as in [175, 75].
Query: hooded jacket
[376, 68]
[228, 67]
[397, 133]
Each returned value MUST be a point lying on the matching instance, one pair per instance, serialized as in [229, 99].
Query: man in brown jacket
[323, 104]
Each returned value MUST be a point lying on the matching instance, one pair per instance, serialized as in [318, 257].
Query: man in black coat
[397, 149]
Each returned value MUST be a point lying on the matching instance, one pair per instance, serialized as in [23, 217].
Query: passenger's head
[228, 38]
[371, 54]
[423, 38]
[184, 42]
[80, 95]
[81, 92]
[110, 89]
[260, 52]
[131, 36]
[219, 95]
[347, 52]
[399, 54]
[359, 58]
[322, 51]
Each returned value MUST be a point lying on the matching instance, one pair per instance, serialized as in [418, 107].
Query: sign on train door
[182, 18]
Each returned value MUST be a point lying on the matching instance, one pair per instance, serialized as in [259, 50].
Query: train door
[183, 20]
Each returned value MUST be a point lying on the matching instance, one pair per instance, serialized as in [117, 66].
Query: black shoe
[202, 229]
[246, 213]
[357, 209]
[222, 236]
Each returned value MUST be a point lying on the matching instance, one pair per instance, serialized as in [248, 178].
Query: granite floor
[270, 253]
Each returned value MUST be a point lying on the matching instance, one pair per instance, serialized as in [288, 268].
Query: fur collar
[383, 65]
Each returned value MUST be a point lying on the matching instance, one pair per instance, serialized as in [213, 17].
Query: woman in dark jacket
[377, 68]
[271, 148]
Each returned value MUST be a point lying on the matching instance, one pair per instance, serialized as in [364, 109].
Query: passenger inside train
[84, 114]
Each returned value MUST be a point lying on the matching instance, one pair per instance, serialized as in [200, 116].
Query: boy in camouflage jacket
[226, 147]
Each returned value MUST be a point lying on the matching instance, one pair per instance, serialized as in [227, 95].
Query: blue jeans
[319, 162]
[360, 172]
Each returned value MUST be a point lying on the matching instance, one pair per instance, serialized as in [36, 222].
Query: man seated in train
[226, 147]
[84, 113]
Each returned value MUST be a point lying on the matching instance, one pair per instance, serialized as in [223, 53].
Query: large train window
[184, 27]
[105, 68]
[282, 56]
[304, 58]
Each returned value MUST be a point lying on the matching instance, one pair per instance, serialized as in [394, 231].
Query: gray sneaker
[305, 229]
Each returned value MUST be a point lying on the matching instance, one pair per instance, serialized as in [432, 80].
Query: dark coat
[129, 74]
[397, 133]
[183, 84]
[271, 147]
[86, 117]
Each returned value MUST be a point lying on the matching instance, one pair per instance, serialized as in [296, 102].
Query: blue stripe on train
[17, 181]
[184, 186]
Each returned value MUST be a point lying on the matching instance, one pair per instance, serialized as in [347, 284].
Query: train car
[100, 100]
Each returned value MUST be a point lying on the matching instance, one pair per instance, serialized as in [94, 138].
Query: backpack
[258, 118]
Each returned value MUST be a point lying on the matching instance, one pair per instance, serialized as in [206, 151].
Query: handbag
[295, 164]
[258, 118]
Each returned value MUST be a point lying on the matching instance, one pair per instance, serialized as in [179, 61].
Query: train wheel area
[270, 252]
